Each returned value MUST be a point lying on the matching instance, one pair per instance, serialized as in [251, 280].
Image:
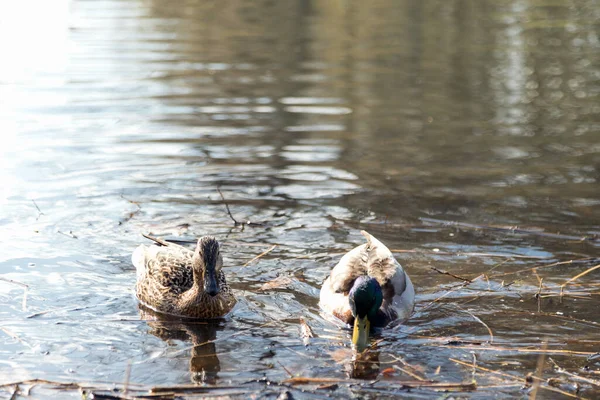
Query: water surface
[316, 120]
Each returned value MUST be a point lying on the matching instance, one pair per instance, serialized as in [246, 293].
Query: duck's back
[162, 272]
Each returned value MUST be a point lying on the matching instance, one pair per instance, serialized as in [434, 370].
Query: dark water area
[465, 135]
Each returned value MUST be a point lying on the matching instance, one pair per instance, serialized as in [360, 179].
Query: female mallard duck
[174, 280]
[368, 288]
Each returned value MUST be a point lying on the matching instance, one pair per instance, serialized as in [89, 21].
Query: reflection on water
[317, 119]
[204, 362]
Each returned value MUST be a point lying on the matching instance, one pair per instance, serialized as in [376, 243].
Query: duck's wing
[398, 290]
[167, 268]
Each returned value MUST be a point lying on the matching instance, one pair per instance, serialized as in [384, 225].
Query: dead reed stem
[264, 253]
[587, 271]
[539, 371]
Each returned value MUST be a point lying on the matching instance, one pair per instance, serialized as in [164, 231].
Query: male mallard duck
[368, 288]
[174, 280]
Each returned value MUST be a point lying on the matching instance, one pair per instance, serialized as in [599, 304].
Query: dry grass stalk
[545, 266]
[23, 285]
[264, 253]
[476, 318]
[517, 350]
[419, 384]
[587, 271]
[469, 254]
[439, 271]
[539, 371]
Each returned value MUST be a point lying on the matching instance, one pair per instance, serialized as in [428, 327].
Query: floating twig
[468, 254]
[25, 289]
[476, 318]
[69, 234]
[40, 213]
[439, 271]
[15, 336]
[539, 371]
[264, 253]
[538, 294]
[586, 259]
[285, 369]
[517, 349]
[513, 230]
[133, 213]
[235, 221]
[587, 271]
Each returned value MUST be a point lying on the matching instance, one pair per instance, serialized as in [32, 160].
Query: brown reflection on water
[204, 361]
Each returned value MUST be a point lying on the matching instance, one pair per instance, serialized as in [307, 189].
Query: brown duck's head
[208, 264]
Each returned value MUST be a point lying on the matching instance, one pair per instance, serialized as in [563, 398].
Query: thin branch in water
[235, 221]
[512, 230]
[133, 213]
[285, 369]
[587, 271]
[451, 274]
[539, 371]
[461, 286]
[25, 289]
[479, 368]
[538, 294]
[69, 234]
[40, 213]
[469, 254]
[516, 349]
[544, 266]
[264, 253]
[476, 318]
[15, 336]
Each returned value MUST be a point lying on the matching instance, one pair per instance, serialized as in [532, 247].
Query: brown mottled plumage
[375, 260]
[174, 280]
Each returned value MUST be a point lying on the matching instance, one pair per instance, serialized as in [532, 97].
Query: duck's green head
[365, 298]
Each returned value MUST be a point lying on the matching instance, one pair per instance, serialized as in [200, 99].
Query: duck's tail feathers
[138, 258]
[377, 249]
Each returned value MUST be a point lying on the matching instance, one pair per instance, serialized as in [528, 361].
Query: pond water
[463, 135]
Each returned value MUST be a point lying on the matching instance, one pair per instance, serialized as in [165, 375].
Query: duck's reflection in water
[204, 362]
[364, 365]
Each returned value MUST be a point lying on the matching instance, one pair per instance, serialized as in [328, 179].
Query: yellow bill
[360, 334]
